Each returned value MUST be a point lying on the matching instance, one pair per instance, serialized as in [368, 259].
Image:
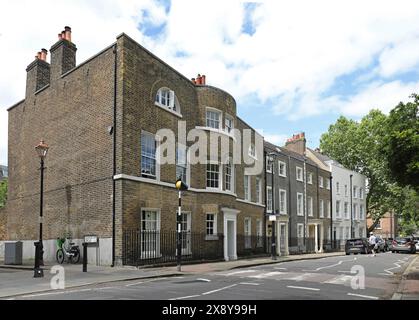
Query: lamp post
[350, 183]
[181, 186]
[41, 149]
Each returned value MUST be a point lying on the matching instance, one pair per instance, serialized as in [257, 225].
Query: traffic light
[180, 185]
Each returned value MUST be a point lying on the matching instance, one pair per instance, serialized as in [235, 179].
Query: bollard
[38, 271]
[84, 257]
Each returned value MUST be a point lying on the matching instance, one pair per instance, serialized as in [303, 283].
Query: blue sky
[292, 66]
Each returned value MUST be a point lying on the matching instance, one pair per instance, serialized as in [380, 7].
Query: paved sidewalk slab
[408, 288]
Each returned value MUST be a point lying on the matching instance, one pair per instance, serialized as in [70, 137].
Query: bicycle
[67, 250]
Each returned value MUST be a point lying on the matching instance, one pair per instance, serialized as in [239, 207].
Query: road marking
[340, 280]
[204, 280]
[267, 274]
[216, 290]
[331, 266]
[280, 268]
[239, 272]
[53, 293]
[362, 296]
[187, 297]
[105, 288]
[250, 283]
[346, 271]
[302, 277]
[304, 288]
[390, 273]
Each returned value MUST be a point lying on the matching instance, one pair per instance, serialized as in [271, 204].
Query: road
[332, 278]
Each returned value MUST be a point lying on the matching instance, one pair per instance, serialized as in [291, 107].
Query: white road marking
[250, 283]
[390, 273]
[105, 288]
[302, 277]
[187, 297]
[238, 272]
[331, 266]
[266, 275]
[134, 284]
[340, 280]
[280, 268]
[54, 293]
[304, 288]
[362, 296]
[204, 280]
[217, 290]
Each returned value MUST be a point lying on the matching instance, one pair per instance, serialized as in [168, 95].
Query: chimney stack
[38, 73]
[297, 143]
[63, 54]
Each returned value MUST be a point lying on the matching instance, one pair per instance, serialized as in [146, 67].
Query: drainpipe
[115, 52]
[305, 202]
[266, 199]
[331, 211]
[318, 204]
[289, 200]
[350, 183]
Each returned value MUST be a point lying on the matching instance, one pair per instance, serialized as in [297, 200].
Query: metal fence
[158, 247]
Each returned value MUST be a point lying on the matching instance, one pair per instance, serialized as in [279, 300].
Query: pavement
[19, 280]
[408, 288]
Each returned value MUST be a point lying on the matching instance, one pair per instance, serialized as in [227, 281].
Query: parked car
[416, 243]
[404, 244]
[381, 244]
[357, 245]
[389, 243]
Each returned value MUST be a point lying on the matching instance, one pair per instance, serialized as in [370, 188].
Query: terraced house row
[108, 122]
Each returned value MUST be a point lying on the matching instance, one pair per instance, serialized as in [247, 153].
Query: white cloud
[277, 139]
[298, 49]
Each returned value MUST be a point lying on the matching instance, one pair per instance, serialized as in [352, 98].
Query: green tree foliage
[401, 146]
[3, 193]
[359, 146]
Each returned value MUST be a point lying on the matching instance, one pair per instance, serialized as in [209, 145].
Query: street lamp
[273, 242]
[181, 186]
[41, 149]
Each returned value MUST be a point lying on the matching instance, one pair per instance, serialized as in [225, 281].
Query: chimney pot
[44, 53]
[67, 31]
[63, 35]
[203, 79]
[39, 55]
[193, 80]
[60, 36]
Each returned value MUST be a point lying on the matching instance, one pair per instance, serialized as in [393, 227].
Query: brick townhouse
[301, 197]
[103, 174]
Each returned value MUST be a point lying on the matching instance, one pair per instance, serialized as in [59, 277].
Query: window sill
[212, 237]
[177, 114]
[282, 175]
[219, 131]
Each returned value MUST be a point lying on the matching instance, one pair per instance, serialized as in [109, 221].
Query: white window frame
[345, 210]
[186, 165]
[321, 208]
[284, 174]
[172, 104]
[300, 204]
[269, 203]
[248, 196]
[258, 190]
[361, 212]
[328, 184]
[270, 164]
[310, 212]
[356, 214]
[214, 226]
[220, 118]
[297, 170]
[156, 176]
[337, 187]
[310, 178]
[361, 193]
[328, 208]
[220, 175]
[229, 163]
[346, 190]
[320, 181]
[338, 213]
[252, 151]
[228, 129]
[300, 227]
[156, 251]
[355, 189]
[284, 203]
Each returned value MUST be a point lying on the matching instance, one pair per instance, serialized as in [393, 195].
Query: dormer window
[167, 99]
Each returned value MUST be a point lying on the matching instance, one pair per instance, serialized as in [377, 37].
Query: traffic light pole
[179, 233]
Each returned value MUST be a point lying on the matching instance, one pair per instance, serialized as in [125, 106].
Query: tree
[358, 146]
[3, 193]
[401, 145]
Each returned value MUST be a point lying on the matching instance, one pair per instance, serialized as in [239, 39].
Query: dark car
[404, 244]
[381, 244]
[357, 245]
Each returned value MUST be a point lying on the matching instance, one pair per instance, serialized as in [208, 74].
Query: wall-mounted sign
[272, 217]
[91, 239]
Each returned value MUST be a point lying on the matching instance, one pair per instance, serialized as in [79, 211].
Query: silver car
[405, 244]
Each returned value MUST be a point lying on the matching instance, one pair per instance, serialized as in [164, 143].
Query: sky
[292, 66]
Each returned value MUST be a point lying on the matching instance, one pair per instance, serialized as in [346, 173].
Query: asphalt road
[355, 277]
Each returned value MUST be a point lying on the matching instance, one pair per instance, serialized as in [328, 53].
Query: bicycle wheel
[60, 256]
[75, 258]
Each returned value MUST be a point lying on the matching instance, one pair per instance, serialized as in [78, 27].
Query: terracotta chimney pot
[44, 53]
[203, 79]
[67, 31]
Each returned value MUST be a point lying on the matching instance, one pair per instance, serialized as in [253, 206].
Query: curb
[169, 275]
[399, 292]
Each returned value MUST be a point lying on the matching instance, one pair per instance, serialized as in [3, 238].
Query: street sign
[91, 239]
[272, 217]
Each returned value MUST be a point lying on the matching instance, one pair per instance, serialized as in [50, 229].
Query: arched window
[167, 99]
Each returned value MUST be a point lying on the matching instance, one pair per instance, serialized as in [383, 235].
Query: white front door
[186, 233]
[230, 233]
